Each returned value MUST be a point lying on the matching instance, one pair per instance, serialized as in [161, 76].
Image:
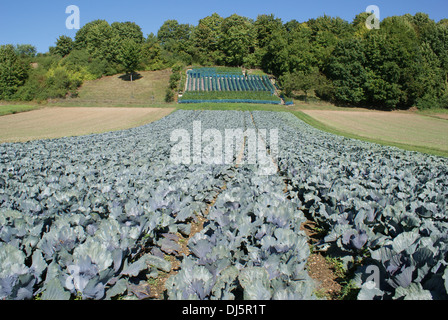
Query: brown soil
[441, 115]
[323, 273]
[158, 289]
[319, 268]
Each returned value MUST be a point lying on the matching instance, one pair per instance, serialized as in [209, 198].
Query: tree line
[402, 64]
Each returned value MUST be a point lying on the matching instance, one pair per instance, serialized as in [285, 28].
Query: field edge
[408, 147]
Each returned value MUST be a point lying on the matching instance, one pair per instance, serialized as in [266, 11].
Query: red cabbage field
[104, 216]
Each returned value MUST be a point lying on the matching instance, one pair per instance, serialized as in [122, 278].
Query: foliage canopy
[402, 64]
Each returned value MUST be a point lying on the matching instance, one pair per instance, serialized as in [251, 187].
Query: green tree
[129, 56]
[359, 24]
[172, 32]
[301, 52]
[82, 35]
[275, 55]
[437, 38]
[383, 72]
[267, 30]
[175, 39]
[169, 95]
[392, 67]
[422, 23]
[80, 60]
[326, 33]
[238, 40]
[206, 40]
[431, 78]
[64, 45]
[303, 81]
[368, 72]
[346, 70]
[151, 54]
[105, 42]
[13, 72]
[128, 30]
[25, 50]
[100, 40]
[264, 26]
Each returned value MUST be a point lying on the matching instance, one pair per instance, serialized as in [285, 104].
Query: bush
[177, 68]
[430, 101]
[29, 91]
[55, 77]
[169, 96]
[174, 80]
[81, 59]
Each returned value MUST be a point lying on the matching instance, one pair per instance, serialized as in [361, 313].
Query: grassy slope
[147, 90]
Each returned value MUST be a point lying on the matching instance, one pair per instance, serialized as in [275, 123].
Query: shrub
[174, 79]
[430, 101]
[169, 96]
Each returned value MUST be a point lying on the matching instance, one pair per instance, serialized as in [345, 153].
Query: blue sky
[40, 23]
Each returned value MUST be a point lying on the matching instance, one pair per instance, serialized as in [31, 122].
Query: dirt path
[58, 122]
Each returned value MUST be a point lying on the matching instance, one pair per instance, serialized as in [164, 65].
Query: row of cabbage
[265, 97]
[229, 83]
[94, 216]
[251, 246]
[384, 209]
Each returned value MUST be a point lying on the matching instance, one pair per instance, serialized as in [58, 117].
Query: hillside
[148, 87]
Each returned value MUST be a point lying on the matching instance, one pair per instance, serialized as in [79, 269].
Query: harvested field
[441, 115]
[58, 122]
[400, 127]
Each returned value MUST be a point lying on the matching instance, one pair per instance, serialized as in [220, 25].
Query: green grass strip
[13, 109]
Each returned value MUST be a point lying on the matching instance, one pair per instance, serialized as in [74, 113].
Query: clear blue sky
[40, 23]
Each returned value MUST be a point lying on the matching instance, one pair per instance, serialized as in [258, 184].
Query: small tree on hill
[13, 72]
[129, 56]
[64, 45]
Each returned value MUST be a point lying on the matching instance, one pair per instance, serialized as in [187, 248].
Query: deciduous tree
[64, 45]
[13, 72]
